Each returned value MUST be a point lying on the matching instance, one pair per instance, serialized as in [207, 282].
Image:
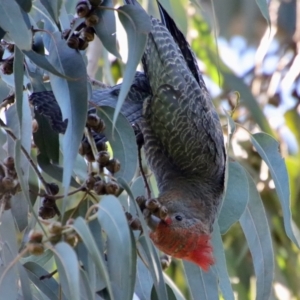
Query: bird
[183, 140]
[183, 144]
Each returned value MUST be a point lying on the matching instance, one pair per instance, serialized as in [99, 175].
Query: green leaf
[18, 31]
[41, 260]
[122, 140]
[147, 247]
[8, 252]
[257, 232]
[89, 294]
[171, 295]
[137, 25]
[143, 281]
[72, 98]
[264, 9]
[25, 284]
[202, 285]
[236, 198]
[113, 221]
[267, 147]
[220, 264]
[25, 5]
[53, 8]
[235, 83]
[82, 229]
[106, 27]
[68, 269]
[48, 286]
[19, 209]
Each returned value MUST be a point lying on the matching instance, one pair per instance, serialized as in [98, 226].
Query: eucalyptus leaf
[257, 232]
[202, 285]
[48, 286]
[82, 229]
[137, 25]
[113, 221]
[123, 142]
[68, 269]
[236, 198]
[264, 9]
[72, 98]
[267, 147]
[25, 5]
[19, 32]
[106, 27]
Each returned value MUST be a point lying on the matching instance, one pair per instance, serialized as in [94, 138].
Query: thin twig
[38, 173]
[143, 173]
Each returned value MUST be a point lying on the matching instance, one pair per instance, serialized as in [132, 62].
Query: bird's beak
[153, 222]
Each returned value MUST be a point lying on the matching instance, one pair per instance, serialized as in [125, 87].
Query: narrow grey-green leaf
[53, 8]
[106, 27]
[8, 252]
[137, 25]
[72, 98]
[41, 61]
[86, 284]
[172, 286]
[257, 232]
[202, 285]
[236, 198]
[267, 147]
[264, 9]
[48, 286]
[113, 221]
[25, 5]
[220, 264]
[171, 295]
[122, 140]
[154, 264]
[19, 209]
[25, 284]
[235, 83]
[82, 229]
[68, 269]
[19, 32]
[143, 281]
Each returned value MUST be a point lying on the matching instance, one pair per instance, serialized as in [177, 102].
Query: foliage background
[238, 51]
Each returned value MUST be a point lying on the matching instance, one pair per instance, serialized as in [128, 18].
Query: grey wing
[180, 113]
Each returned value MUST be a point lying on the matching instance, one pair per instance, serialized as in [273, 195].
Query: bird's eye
[178, 218]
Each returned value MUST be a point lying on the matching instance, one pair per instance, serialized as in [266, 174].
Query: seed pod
[6, 199]
[47, 212]
[103, 158]
[152, 204]
[9, 162]
[70, 222]
[35, 126]
[90, 182]
[113, 165]
[35, 236]
[90, 157]
[35, 249]
[165, 261]
[71, 239]
[84, 148]
[88, 34]
[111, 188]
[83, 44]
[48, 202]
[135, 224]
[163, 212]
[7, 67]
[100, 128]
[55, 228]
[66, 33]
[141, 201]
[101, 146]
[55, 238]
[92, 121]
[7, 183]
[11, 48]
[82, 9]
[54, 188]
[99, 187]
[73, 42]
[92, 20]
